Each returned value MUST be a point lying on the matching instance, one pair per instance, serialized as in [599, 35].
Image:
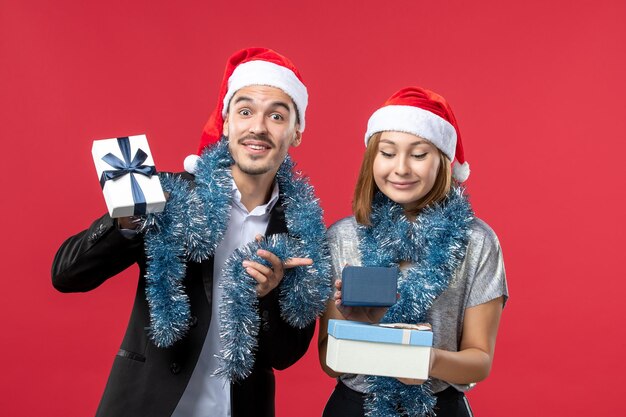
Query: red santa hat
[252, 66]
[426, 114]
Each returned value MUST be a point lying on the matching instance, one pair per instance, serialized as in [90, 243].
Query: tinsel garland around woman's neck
[434, 244]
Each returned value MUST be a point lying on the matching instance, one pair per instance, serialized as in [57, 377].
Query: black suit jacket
[149, 381]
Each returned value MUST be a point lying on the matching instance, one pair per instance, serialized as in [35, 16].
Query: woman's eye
[386, 154]
[420, 156]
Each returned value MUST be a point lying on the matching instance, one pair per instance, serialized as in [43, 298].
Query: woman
[410, 211]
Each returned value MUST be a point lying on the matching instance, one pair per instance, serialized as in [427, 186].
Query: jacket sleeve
[280, 343]
[87, 259]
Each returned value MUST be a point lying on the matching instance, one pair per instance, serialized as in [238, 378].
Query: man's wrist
[131, 226]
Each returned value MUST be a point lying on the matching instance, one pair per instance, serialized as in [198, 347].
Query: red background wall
[538, 89]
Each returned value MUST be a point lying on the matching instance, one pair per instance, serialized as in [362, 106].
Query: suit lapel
[207, 278]
[277, 223]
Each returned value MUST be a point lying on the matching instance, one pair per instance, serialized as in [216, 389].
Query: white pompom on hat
[253, 66]
[426, 114]
[191, 163]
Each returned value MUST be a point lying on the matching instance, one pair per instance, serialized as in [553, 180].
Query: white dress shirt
[208, 395]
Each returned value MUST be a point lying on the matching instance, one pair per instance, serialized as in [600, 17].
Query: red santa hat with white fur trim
[252, 66]
[426, 114]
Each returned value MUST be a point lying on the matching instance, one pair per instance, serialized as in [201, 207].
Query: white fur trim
[191, 163]
[419, 122]
[460, 172]
[270, 74]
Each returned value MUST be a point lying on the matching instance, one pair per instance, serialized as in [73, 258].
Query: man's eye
[245, 112]
[276, 116]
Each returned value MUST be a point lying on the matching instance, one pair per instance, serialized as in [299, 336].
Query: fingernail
[245, 263]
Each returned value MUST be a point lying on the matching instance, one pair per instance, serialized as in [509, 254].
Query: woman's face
[405, 167]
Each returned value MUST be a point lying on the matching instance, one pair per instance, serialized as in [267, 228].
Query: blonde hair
[366, 186]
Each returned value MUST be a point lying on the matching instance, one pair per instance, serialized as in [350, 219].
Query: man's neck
[255, 189]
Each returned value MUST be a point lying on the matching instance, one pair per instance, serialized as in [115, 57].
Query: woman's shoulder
[343, 241]
[341, 227]
[348, 221]
[482, 234]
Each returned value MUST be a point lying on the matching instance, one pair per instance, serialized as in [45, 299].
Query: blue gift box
[395, 350]
[369, 286]
[381, 333]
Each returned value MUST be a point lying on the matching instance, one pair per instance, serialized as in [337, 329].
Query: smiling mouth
[402, 185]
[255, 145]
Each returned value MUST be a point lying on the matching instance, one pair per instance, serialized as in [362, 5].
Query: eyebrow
[242, 98]
[389, 141]
[273, 104]
[281, 104]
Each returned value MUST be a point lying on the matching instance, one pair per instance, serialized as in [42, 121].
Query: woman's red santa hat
[252, 66]
[425, 114]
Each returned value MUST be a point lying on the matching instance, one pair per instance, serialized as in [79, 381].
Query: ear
[225, 126]
[297, 139]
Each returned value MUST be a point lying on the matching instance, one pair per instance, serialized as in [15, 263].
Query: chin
[404, 201]
[254, 169]
[407, 203]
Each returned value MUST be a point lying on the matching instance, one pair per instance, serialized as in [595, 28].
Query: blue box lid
[354, 330]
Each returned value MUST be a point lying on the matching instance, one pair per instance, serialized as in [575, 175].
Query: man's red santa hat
[426, 114]
[252, 66]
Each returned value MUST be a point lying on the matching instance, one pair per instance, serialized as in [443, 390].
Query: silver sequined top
[479, 279]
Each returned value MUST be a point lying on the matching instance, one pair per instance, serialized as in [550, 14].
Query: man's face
[260, 126]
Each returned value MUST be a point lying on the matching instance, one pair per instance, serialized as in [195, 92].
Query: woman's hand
[473, 360]
[412, 381]
[363, 314]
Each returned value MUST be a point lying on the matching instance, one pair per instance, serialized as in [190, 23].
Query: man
[204, 337]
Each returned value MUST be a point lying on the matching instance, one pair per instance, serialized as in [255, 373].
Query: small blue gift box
[365, 286]
[128, 176]
[395, 350]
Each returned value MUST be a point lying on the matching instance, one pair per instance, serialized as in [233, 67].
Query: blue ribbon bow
[129, 167]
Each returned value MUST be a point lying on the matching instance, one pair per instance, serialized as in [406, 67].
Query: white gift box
[127, 175]
[395, 350]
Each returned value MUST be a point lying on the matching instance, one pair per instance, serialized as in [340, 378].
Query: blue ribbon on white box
[128, 166]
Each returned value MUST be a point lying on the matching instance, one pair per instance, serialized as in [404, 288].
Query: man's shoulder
[183, 174]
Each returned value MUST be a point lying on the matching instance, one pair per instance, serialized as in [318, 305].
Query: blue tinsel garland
[193, 225]
[435, 244]
[165, 253]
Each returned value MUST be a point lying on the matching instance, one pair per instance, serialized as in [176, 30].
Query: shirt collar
[258, 210]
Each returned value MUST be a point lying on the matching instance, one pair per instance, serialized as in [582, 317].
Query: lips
[403, 185]
[256, 145]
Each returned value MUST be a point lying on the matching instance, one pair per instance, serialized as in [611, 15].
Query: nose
[258, 124]
[402, 166]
